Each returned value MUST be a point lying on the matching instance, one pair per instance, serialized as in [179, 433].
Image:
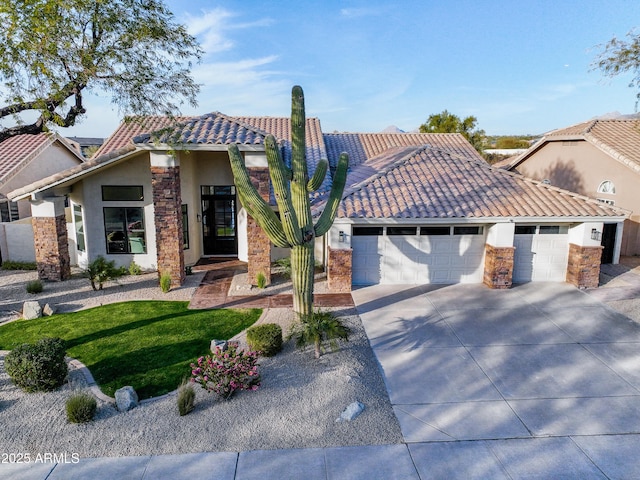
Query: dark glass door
[608, 242]
[219, 233]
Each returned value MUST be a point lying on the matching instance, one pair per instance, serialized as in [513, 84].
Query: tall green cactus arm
[300, 177]
[280, 178]
[255, 205]
[318, 176]
[335, 196]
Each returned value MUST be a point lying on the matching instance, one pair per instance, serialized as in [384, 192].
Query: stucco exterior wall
[52, 160]
[581, 167]
[88, 194]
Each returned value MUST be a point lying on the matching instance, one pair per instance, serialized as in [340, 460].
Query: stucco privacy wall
[580, 167]
[17, 243]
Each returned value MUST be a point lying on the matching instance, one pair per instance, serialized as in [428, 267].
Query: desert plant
[81, 407]
[265, 338]
[38, 366]
[284, 265]
[34, 286]
[318, 329]
[261, 280]
[134, 268]
[101, 270]
[165, 282]
[12, 265]
[186, 398]
[227, 371]
[293, 227]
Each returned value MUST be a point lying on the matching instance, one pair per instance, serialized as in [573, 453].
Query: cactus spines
[294, 228]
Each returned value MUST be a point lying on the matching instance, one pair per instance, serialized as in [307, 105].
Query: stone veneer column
[259, 245]
[498, 266]
[50, 239]
[583, 267]
[167, 203]
[339, 270]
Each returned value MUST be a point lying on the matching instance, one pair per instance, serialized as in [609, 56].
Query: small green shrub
[261, 280]
[34, 286]
[284, 265]
[186, 398]
[165, 282]
[134, 268]
[101, 270]
[81, 407]
[265, 338]
[39, 366]
[11, 265]
[318, 329]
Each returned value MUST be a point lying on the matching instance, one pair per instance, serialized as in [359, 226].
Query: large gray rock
[351, 412]
[126, 398]
[221, 344]
[31, 310]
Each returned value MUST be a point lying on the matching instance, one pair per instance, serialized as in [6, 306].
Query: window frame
[124, 198]
[78, 227]
[125, 241]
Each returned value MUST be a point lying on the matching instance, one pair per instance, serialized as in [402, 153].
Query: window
[553, 229]
[402, 230]
[113, 193]
[218, 190]
[185, 227]
[607, 187]
[525, 230]
[435, 231]
[362, 231]
[467, 230]
[124, 230]
[79, 227]
[8, 211]
[606, 200]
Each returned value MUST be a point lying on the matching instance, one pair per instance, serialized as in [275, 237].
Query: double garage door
[447, 255]
[417, 255]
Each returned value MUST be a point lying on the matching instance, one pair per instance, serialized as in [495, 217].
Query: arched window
[607, 187]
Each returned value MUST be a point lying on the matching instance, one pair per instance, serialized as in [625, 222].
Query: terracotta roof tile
[432, 183]
[20, 149]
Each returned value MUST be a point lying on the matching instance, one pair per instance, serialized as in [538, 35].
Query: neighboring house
[23, 160]
[418, 208]
[599, 159]
[87, 145]
[27, 158]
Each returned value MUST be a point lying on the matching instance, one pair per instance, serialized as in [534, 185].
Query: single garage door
[542, 253]
[418, 255]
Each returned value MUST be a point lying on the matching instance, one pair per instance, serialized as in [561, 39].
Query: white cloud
[360, 12]
[209, 29]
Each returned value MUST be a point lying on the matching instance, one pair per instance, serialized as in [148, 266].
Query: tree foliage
[619, 56]
[446, 122]
[53, 50]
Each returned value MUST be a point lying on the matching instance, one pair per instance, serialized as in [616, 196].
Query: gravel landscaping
[296, 406]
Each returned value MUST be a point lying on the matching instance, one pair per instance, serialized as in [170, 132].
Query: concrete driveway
[541, 379]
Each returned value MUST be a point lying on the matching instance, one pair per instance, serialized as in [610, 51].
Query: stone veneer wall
[167, 202]
[498, 266]
[52, 248]
[339, 270]
[583, 267]
[258, 242]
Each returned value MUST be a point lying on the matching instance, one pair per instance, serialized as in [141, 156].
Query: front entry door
[219, 233]
[608, 242]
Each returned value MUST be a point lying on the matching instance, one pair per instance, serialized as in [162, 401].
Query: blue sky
[519, 66]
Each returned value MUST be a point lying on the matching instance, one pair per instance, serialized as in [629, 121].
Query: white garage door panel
[540, 258]
[418, 259]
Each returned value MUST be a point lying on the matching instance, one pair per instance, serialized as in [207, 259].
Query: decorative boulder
[126, 398]
[351, 412]
[31, 310]
[221, 344]
[48, 310]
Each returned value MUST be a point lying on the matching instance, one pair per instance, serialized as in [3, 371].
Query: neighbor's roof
[17, 151]
[618, 138]
[430, 183]
[365, 146]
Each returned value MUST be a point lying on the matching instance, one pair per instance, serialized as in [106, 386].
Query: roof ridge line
[243, 124]
[51, 137]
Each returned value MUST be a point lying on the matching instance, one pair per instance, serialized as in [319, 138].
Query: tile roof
[431, 183]
[618, 138]
[17, 151]
[364, 146]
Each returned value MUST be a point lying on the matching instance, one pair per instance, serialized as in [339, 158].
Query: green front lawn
[148, 345]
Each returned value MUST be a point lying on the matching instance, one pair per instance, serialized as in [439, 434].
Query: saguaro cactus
[294, 228]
